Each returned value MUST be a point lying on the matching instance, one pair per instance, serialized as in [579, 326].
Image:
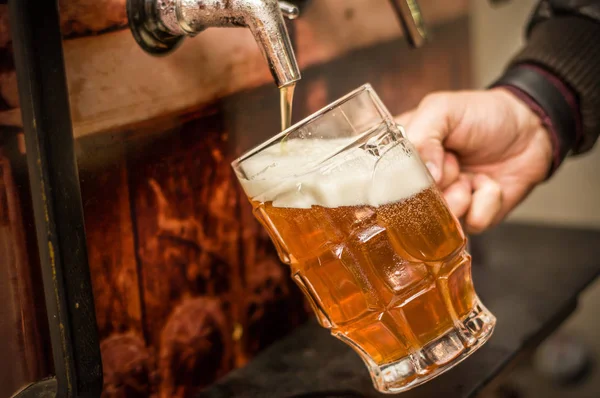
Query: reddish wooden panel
[111, 250]
[22, 335]
[214, 292]
[90, 17]
[127, 362]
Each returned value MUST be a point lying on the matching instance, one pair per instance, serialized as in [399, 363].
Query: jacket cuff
[553, 102]
[567, 47]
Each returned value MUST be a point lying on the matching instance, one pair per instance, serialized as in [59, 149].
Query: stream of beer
[286, 98]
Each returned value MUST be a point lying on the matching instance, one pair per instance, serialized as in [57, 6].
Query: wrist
[535, 127]
[551, 101]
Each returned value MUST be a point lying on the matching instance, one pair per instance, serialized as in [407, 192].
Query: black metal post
[58, 210]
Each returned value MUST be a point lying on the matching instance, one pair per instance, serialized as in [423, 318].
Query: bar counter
[529, 276]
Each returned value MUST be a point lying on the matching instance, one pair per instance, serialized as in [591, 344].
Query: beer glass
[369, 239]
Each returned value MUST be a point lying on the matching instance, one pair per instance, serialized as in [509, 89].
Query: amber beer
[374, 248]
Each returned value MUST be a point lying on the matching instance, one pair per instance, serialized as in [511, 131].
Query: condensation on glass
[370, 241]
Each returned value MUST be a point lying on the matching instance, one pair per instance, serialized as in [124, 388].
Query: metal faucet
[159, 26]
[410, 16]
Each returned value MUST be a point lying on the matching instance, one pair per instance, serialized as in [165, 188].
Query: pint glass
[353, 211]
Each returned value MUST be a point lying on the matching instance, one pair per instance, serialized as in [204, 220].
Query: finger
[430, 124]
[450, 170]
[486, 204]
[459, 195]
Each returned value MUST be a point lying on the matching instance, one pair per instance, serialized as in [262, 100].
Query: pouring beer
[353, 211]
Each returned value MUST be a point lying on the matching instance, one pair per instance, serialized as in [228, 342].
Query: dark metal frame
[56, 197]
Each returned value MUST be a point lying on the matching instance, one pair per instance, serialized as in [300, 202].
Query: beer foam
[304, 173]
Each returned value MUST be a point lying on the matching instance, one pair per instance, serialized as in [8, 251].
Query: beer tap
[159, 26]
[411, 19]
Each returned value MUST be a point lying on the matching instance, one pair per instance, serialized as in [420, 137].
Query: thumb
[428, 127]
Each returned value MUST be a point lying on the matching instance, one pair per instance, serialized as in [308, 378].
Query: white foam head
[303, 173]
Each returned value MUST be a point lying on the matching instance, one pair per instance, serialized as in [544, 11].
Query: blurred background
[570, 198]
[572, 195]
[187, 285]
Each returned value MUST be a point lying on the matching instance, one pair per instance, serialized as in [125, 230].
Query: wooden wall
[22, 327]
[187, 285]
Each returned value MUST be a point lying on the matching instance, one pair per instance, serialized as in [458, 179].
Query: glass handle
[401, 130]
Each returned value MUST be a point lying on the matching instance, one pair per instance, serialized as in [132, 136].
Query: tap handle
[289, 10]
[410, 16]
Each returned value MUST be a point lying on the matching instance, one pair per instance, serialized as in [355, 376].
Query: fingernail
[433, 170]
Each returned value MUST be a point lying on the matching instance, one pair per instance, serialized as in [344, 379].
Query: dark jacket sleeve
[558, 72]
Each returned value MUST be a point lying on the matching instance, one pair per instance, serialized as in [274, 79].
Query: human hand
[486, 151]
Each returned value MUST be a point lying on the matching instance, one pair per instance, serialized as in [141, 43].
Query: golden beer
[372, 245]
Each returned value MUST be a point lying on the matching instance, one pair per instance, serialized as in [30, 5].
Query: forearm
[558, 75]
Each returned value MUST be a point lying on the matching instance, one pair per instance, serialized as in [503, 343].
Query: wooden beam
[89, 17]
[79, 18]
